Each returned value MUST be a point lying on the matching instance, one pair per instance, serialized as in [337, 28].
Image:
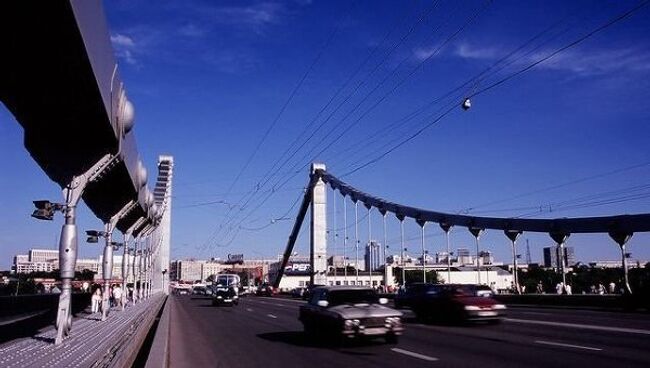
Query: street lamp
[107, 269]
[45, 209]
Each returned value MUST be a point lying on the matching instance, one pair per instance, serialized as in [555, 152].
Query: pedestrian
[567, 288]
[612, 287]
[117, 295]
[559, 288]
[601, 289]
[540, 288]
[96, 301]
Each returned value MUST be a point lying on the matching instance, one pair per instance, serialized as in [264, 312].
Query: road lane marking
[249, 309]
[566, 345]
[415, 355]
[272, 316]
[580, 326]
[535, 313]
[282, 299]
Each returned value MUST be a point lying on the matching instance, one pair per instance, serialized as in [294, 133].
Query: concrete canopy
[59, 79]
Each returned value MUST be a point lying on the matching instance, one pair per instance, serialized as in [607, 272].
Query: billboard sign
[235, 259]
[297, 269]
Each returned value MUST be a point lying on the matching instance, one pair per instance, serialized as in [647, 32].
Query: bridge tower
[162, 236]
[318, 243]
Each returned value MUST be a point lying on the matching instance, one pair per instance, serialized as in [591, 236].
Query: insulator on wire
[466, 104]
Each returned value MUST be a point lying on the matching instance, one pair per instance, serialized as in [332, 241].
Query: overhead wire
[503, 80]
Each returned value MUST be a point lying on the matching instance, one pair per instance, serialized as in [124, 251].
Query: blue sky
[208, 79]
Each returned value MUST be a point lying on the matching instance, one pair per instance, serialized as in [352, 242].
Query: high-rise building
[551, 255]
[372, 257]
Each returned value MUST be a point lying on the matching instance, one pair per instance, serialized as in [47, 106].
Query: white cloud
[466, 51]
[582, 62]
[120, 40]
[254, 16]
[124, 48]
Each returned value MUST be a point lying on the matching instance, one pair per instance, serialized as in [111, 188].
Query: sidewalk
[90, 341]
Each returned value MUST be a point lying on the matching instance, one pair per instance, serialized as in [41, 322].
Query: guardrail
[158, 356]
[129, 348]
[22, 315]
[584, 301]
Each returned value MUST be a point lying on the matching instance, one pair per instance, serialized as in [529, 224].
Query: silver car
[350, 311]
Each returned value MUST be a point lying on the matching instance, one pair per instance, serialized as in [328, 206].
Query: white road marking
[249, 309]
[280, 305]
[415, 355]
[282, 299]
[566, 345]
[272, 316]
[581, 326]
[535, 313]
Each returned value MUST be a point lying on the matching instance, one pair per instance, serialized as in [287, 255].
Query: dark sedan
[454, 303]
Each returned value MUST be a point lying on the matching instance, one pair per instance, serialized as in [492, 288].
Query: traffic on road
[271, 332]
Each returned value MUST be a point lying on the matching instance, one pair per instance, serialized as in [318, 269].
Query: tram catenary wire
[395, 46]
[528, 68]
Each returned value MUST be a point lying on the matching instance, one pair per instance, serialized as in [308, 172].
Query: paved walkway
[90, 341]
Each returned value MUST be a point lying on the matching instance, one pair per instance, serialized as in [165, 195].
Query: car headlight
[393, 320]
[351, 323]
[472, 308]
[219, 297]
[499, 306]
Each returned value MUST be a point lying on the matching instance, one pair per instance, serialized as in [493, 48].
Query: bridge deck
[91, 340]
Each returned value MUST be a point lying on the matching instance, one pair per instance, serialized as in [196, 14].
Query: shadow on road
[299, 338]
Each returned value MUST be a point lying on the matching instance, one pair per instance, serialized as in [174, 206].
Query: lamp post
[560, 238]
[422, 224]
[446, 227]
[621, 238]
[513, 235]
[476, 231]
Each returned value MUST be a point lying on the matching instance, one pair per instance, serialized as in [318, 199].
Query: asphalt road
[265, 332]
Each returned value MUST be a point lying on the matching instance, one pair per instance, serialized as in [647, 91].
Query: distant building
[37, 260]
[552, 254]
[372, 258]
[396, 260]
[631, 263]
[191, 270]
[44, 255]
[485, 258]
[464, 257]
[87, 264]
[443, 257]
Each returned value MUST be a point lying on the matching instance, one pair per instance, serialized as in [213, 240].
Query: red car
[455, 303]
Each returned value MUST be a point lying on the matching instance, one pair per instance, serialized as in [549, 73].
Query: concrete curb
[159, 353]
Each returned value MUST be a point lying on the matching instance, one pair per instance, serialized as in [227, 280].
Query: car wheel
[392, 339]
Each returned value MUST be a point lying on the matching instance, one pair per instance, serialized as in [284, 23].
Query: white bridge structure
[620, 228]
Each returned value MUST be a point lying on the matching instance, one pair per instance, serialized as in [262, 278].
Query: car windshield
[338, 297]
[226, 280]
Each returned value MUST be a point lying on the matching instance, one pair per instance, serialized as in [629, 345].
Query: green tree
[413, 276]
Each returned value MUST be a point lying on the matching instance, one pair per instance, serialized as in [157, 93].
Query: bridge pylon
[318, 238]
